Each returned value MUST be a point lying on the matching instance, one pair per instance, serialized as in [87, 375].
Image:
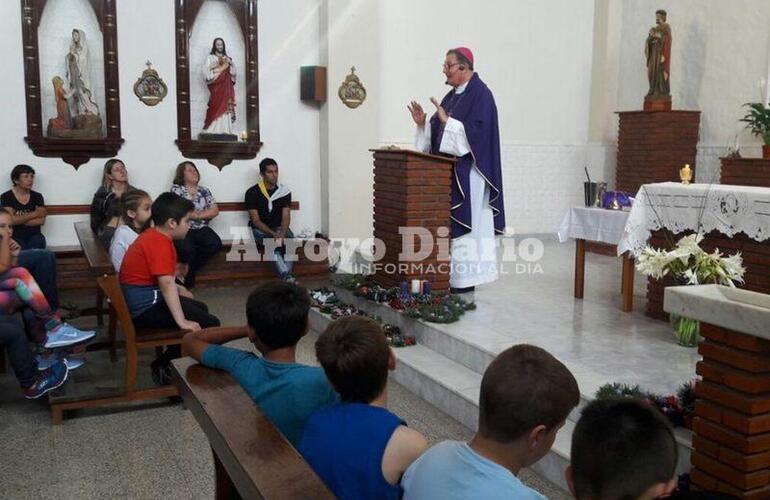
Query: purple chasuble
[475, 108]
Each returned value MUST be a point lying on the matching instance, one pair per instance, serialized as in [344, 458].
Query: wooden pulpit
[412, 190]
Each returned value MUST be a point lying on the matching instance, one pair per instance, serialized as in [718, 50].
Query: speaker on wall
[313, 83]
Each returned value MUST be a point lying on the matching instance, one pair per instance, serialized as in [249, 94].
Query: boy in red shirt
[147, 276]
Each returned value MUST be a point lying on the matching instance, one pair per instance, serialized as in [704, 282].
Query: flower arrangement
[679, 408]
[689, 264]
[432, 307]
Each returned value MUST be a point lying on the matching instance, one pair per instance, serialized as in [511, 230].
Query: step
[454, 388]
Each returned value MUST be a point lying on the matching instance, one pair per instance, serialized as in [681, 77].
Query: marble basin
[738, 310]
[745, 297]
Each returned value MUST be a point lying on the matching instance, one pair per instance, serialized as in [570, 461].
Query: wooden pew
[70, 396]
[251, 457]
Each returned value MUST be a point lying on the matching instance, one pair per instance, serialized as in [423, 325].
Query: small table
[605, 226]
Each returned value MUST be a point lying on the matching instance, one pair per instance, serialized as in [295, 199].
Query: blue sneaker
[66, 334]
[44, 362]
[47, 380]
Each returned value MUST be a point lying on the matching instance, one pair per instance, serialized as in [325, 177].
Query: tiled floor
[160, 451]
[154, 450]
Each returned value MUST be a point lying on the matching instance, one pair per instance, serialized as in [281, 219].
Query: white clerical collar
[461, 88]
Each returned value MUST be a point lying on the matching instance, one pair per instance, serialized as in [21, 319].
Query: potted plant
[689, 264]
[758, 121]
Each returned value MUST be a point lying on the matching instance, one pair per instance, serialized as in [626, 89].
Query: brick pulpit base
[731, 430]
[654, 145]
[412, 189]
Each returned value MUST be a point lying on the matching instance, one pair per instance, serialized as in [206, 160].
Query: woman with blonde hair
[105, 207]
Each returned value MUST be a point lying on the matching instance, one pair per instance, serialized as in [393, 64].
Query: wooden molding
[219, 154]
[227, 206]
[72, 151]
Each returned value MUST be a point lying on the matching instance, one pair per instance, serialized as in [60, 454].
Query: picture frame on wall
[217, 80]
[72, 93]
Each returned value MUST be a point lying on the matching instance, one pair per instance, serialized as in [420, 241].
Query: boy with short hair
[147, 276]
[358, 447]
[288, 392]
[622, 449]
[526, 396]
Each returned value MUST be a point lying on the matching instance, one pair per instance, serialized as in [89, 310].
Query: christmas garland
[432, 307]
[327, 302]
[679, 408]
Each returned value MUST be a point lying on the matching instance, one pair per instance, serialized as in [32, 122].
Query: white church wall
[536, 57]
[288, 39]
[720, 51]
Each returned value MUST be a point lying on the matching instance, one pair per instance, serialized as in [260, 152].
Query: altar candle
[404, 289]
[415, 286]
[426, 287]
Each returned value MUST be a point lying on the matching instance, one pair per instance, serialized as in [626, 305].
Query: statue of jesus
[219, 72]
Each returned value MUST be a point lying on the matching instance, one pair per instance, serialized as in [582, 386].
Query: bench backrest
[259, 460]
[98, 259]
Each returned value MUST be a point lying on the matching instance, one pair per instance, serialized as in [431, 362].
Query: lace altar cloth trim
[696, 207]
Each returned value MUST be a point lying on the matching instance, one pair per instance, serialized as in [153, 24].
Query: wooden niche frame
[72, 151]
[217, 153]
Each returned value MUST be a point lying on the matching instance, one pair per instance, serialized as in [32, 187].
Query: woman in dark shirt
[105, 207]
[27, 207]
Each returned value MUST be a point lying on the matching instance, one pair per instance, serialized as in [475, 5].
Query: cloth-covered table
[677, 207]
[605, 226]
[730, 218]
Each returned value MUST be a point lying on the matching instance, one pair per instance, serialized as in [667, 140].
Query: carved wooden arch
[72, 151]
[217, 153]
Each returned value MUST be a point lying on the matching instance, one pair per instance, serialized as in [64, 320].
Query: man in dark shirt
[269, 206]
[27, 207]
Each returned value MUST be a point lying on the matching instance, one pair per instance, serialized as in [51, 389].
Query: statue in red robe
[219, 71]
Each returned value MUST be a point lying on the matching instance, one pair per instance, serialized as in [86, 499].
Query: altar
[731, 219]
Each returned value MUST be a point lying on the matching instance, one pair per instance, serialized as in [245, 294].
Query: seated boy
[147, 277]
[288, 392]
[621, 449]
[526, 396]
[357, 447]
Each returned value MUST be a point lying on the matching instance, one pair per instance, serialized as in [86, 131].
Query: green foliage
[616, 390]
[757, 120]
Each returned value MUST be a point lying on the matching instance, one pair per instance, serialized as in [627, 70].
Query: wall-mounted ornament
[352, 92]
[150, 88]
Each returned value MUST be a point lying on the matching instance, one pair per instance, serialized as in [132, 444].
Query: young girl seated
[19, 290]
[135, 212]
[135, 217]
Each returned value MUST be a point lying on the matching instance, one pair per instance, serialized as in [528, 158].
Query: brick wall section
[654, 145]
[756, 260]
[411, 190]
[731, 440]
[746, 172]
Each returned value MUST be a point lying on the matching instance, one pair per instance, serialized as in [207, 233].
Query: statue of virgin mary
[78, 68]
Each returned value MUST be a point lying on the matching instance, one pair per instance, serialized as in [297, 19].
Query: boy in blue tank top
[526, 396]
[286, 391]
[357, 447]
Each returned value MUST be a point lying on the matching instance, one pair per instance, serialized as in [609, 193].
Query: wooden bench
[251, 457]
[73, 274]
[70, 398]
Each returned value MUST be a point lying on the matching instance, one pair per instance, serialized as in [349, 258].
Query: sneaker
[47, 380]
[74, 363]
[161, 372]
[66, 334]
[46, 361]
